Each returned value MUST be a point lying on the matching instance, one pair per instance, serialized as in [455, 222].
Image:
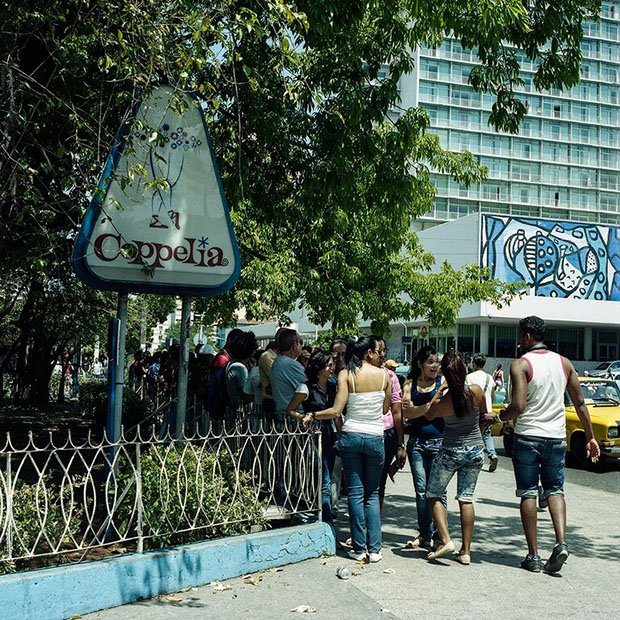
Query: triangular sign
[160, 223]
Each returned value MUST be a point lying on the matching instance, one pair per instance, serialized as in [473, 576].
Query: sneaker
[493, 460]
[559, 555]
[358, 557]
[442, 551]
[374, 557]
[533, 563]
[542, 500]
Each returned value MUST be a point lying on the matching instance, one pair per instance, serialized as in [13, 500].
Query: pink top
[397, 397]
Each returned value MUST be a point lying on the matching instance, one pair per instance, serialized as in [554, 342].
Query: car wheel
[508, 438]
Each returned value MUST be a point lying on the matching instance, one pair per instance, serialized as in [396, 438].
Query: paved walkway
[404, 585]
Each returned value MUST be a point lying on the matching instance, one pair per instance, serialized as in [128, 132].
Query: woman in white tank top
[365, 391]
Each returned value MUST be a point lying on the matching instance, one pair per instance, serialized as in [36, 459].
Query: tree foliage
[322, 169]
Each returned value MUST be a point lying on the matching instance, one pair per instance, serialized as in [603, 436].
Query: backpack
[217, 394]
[153, 373]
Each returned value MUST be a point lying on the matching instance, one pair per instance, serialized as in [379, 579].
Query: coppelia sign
[160, 223]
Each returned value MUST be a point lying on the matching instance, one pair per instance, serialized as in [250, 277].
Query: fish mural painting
[571, 260]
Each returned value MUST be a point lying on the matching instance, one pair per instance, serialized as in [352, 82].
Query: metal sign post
[183, 367]
[120, 367]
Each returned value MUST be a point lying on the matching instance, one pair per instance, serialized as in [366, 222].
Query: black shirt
[318, 401]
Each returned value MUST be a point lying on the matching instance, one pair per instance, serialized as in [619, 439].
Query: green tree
[321, 179]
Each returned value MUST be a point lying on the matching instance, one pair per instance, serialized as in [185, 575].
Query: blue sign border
[80, 248]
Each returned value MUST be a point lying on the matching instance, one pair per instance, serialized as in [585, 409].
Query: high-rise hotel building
[563, 163]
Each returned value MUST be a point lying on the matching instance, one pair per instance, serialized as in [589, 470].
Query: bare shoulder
[477, 393]
[519, 366]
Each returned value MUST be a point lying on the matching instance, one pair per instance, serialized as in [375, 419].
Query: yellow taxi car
[602, 396]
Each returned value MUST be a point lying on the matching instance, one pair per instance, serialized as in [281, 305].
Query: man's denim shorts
[539, 458]
[465, 462]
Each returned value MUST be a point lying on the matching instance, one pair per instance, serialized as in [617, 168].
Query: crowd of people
[372, 422]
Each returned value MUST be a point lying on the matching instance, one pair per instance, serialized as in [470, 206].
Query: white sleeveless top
[364, 412]
[544, 414]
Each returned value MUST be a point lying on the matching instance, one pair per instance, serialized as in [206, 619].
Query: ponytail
[356, 351]
[351, 361]
[454, 370]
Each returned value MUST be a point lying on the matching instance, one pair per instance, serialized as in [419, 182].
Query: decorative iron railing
[68, 501]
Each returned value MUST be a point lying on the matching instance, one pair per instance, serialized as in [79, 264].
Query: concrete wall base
[64, 591]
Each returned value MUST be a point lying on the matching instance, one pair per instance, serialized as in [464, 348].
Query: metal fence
[67, 501]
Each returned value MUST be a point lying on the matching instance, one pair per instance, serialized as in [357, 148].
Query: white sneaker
[359, 557]
[375, 557]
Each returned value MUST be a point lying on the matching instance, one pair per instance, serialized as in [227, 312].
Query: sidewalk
[492, 586]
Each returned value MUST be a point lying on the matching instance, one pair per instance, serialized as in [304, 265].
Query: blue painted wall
[556, 259]
[62, 592]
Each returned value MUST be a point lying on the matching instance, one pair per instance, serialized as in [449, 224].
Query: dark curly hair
[534, 326]
[318, 361]
[422, 355]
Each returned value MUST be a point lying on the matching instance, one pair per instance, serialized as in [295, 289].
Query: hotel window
[432, 71]
[583, 177]
[610, 31]
[608, 202]
[580, 111]
[582, 133]
[609, 180]
[609, 159]
[609, 116]
[441, 208]
[554, 174]
[589, 49]
[553, 130]
[498, 168]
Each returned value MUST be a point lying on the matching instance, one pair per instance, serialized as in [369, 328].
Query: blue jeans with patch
[422, 453]
[538, 458]
[489, 444]
[464, 461]
[363, 456]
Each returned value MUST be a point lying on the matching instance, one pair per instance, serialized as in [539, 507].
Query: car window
[600, 391]
[602, 366]
[615, 365]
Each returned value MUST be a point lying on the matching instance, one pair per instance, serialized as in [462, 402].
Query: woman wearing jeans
[461, 453]
[365, 391]
[320, 394]
[422, 386]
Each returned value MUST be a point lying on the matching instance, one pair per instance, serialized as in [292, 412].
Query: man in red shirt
[223, 356]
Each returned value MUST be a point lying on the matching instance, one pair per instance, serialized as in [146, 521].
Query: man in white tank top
[539, 379]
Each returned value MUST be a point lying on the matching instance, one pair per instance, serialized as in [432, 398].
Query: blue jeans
[362, 459]
[422, 453]
[489, 444]
[464, 461]
[327, 467]
[537, 458]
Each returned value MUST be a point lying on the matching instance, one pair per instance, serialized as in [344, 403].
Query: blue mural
[556, 259]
